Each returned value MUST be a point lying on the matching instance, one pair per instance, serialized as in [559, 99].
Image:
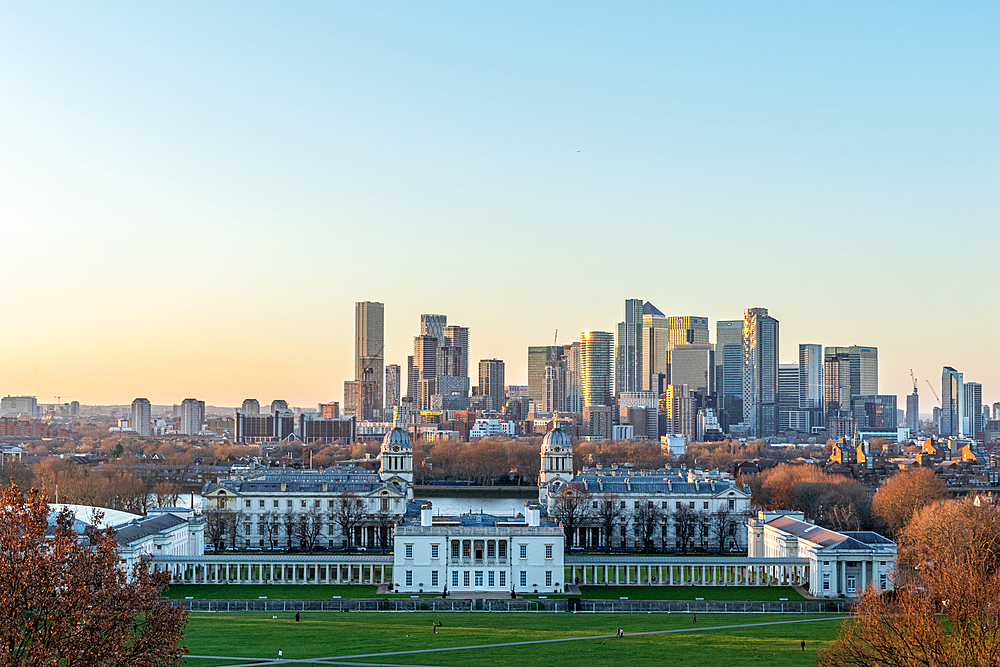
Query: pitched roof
[141, 528]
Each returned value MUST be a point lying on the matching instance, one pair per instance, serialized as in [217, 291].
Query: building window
[524, 551]
[289, 504]
[524, 578]
[409, 551]
[434, 551]
[622, 505]
[548, 551]
[330, 504]
[851, 584]
[275, 504]
[503, 579]
[465, 578]
[594, 504]
[882, 582]
[826, 582]
[705, 506]
[260, 504]
[316, 504]
[491, 579]
[664, 505]
[454, 579]
[691, 505]
[678, 505]
[434, 578]
[548, 577]
[635, 505]
[503, 550]
[479, 578]
[732, 505]
[454, 549]
[333, 529]
[491, 550]
[409, 578]
[466, 550]
[246, 529]
[302, 504]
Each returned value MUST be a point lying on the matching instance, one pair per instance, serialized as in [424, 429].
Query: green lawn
[317, 635]
[726, 593]
[273, 591]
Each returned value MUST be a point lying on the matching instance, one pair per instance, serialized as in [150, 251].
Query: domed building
[557, 462]
[396, 455]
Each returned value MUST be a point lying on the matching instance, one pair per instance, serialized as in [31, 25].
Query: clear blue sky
[193, 195]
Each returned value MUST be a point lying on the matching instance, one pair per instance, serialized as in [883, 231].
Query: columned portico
[280, 569]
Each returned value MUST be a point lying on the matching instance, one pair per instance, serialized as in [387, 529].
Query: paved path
[349, 659]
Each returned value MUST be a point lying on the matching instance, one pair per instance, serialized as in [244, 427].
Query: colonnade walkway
[316, 568]
[666, 570]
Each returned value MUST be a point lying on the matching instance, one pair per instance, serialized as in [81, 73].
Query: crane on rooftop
[933, 392]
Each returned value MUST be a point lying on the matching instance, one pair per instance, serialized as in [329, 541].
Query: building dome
[396, 437]
[557, 440]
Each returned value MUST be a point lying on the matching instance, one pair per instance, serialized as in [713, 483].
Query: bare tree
[67, 601]
[609, 512]
[216, 527]
[572, 509]
[686, 521]
[290, 522]
[647, 517]
[723, 526]
[349, 513]
[270, 525]
[384, 522]
[309, 526]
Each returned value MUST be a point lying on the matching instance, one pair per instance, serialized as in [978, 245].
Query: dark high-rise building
[913, 412]
[874, 413]
[393, 385]
[628, 349]
[369, 349]
[788, 397]
[491, 382]
[457, 338]
[729, 371]
[655, 349]
[972, 422]
[811, 382]
[596, 354]
[251, 406]
[760, 372]
[540, 356]
[952, 402]
[848, 372]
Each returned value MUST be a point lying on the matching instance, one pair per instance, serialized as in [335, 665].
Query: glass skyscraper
[760, 372]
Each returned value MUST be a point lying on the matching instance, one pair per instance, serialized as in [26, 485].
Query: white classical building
[265, 503]
[479, 553]
[835, 563]
[166, 531]
[671, 490]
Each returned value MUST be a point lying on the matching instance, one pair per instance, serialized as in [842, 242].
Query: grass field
[273, 591]
[323, 635]
[726, 593]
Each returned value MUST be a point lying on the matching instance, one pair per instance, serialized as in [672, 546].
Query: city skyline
[164, 167]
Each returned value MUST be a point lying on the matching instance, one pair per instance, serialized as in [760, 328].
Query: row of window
[466, 550]
[303, 504]
[493, 578]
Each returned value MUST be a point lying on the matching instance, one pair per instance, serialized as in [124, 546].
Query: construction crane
[914, 381]
[555, 341]
[933, 392]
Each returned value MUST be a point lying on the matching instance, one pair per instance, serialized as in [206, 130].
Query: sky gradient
[193, 195]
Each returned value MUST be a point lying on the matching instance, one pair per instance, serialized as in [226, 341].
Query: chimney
[532, 515]
[282, 486]
[426, 514]
[324, 487]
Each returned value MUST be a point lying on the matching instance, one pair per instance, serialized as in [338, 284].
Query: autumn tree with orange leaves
[65, 599]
